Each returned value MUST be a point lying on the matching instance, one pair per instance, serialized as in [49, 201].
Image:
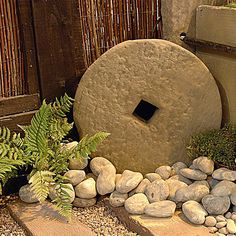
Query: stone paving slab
[42, 220]
[178, 225]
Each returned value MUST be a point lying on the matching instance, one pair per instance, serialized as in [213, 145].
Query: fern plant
[41, 149]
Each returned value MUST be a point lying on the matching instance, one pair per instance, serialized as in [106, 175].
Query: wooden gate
[19, 89]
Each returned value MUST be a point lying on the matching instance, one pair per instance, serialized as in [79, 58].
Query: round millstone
[151, 95]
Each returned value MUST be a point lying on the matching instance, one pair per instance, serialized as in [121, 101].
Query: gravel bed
[8, 227]
[102, 220]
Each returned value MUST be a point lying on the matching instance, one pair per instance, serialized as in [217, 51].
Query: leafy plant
[219, 145]
[41, 149]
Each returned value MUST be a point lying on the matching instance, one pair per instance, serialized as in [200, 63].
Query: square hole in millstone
[145, 110]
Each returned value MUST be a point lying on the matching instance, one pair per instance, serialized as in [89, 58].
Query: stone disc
[151, 95]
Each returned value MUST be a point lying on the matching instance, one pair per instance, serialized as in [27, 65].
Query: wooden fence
[106, 23]
[12, 78]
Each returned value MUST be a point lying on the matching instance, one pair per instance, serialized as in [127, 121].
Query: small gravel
[102, 220]
[8, 227]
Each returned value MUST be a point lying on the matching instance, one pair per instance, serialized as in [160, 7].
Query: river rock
[118, 176]
[140, 188]
[129, 180]
[231, 227]
[157, 191]
[223, 188]
[223, 231]
[193, 174]
[106, 181]
[98, 163]
[164, 172]
[68, 188]
[160, 209]
[176, 167]
[204, 164]
[210, 221]
[195, 191]
[212, 182]
[174, 185]
[118, 199]
[82, 202]
[136, 204]
[220, 218]
[221, 224]
[228, 215]
[195, 212]
[152, 176]
[224, 174]
[75, 176]
[182, 179]
[216, 205]
[233, 197]
[212, 230]
[27, 195]
[78, 163]
[86, 189]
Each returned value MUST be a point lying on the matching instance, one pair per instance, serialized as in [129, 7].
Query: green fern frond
[62, 203]
[5, 134]
[87, 145]
[59, 128]
[36, 133]
[62, 106]
[40, 183]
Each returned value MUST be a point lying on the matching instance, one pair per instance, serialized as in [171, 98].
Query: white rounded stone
[161, 209]
[164, 172]
[182, 179]
[204, 164]
[228, 215]
[160, 73]
[86, 189]
[231, 227]
[195, 212]
[233, 197]
[129, 180]
[106, 181]
[75, 176]
[212, 230]
[141, 187]
[224, 174]
[223, 230]
[174, 186]
[220, 218]
[153, 176]
[193, 174]
[98, 163]
[221, 224]
[210, 221]
[136, 204]
[176, 167]
[157, 191]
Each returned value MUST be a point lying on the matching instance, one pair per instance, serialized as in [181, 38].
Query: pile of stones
[206, 196]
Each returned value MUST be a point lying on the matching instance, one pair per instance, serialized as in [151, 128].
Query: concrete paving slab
[43, 220]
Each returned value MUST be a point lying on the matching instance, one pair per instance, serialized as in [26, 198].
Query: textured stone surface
[160, 73]
[164, 172]
[224, 174]
[194, 212]
[160, 209]
[174, 185]
[204, 164]
[231, 227]
[27, 195]
[83, 202]
[216, 205]
[86, 189]
[195, 191]
[157, 191]
[141, 187]
[233, 198]
[193, 174]
[176, 167]
[210, 221]
[223, 188]
[118, 199]
[152, 176]
[129, 180]
[98, 163]
[106, 181]
[182, 179]
[136, 203]
[75, 176]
